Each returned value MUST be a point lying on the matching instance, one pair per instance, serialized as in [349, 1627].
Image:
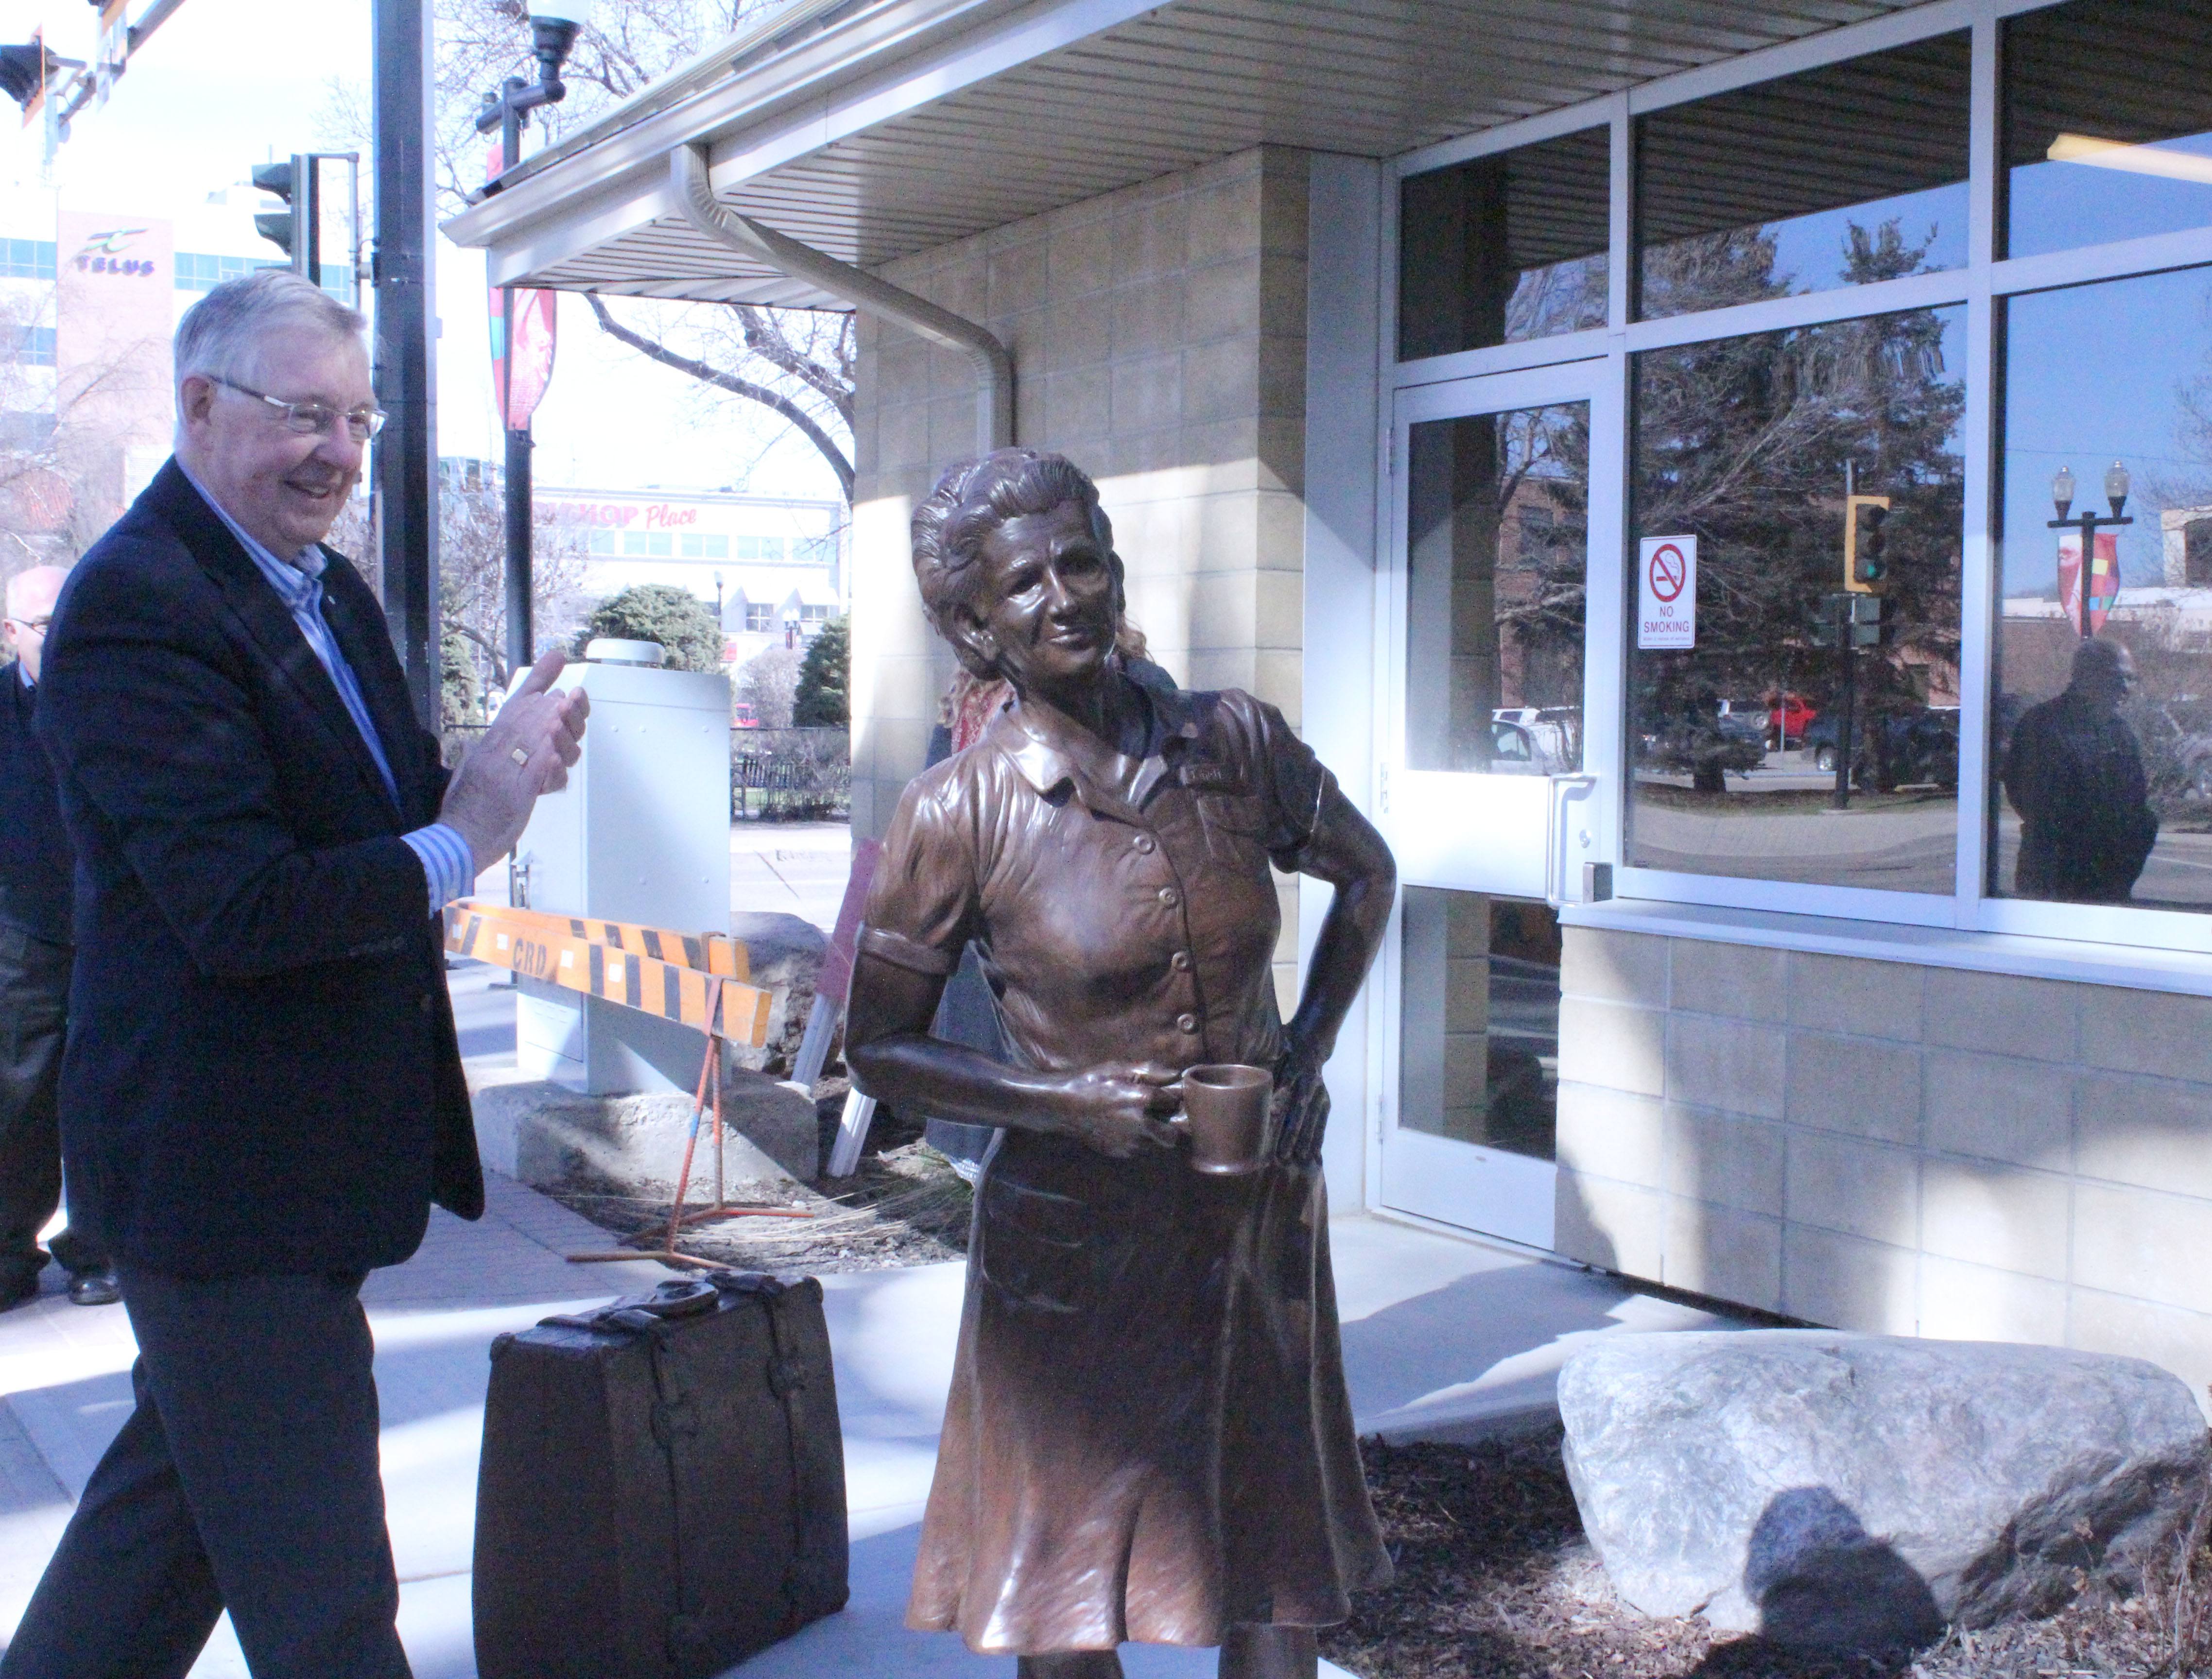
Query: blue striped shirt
[448, 865]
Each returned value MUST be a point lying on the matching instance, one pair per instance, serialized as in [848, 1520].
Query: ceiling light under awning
[2136, 160]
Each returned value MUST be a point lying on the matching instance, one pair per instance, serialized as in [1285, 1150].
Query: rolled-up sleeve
[922, 907]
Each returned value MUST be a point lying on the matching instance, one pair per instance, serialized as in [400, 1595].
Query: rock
[1843, 1492]
[552, 1137]
[785, 953]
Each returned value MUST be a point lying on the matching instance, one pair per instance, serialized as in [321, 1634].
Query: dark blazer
[34, 853]
[262, 1074]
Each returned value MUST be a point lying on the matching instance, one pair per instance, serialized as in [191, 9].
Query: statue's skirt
[1148, 1437]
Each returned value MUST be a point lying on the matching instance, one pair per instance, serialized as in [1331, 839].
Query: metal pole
[2089, 522]
[518, 581]
[1850, 655]
[521, 649]
[406, 367]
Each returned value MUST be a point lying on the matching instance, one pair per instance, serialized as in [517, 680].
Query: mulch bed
[1496, 1581]
[904, 1206]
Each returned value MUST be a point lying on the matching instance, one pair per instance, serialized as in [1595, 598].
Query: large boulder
[1845, 1492]
[785, 954]
[550, 1137]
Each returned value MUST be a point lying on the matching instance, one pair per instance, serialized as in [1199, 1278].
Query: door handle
[1565, 789]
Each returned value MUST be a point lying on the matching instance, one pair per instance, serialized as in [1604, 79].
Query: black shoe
[100, 1287]
[20, 1292]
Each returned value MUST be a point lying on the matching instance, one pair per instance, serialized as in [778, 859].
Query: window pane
[1504, 248]
[1742, 444]
[2103, 758]
[1840, 176]
[1497, 559]
[2108, 122]
[1480, 1027]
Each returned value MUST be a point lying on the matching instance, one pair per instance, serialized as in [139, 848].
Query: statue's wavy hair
[974, 499]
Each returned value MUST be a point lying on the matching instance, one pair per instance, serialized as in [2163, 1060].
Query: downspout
[994, 368]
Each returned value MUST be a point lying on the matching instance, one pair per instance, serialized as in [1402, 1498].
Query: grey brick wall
[1891, 1148]
[1158, 339]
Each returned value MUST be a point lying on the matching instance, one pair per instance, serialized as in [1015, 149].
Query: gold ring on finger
[520, 757]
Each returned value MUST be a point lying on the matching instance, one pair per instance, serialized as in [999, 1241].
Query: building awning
[874, 129]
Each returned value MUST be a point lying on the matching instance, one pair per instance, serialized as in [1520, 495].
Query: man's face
[1048, 602]
[24, 629]
[286, 488]
[2108, 683]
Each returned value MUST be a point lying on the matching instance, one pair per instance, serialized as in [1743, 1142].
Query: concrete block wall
[1158, 339]
[1895, 1149]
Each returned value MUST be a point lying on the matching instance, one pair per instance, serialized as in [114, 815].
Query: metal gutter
[733, 86]
[731, 56]
[857, 73]
[994, 368]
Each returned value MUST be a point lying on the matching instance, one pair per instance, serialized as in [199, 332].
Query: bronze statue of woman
[1148, 1437]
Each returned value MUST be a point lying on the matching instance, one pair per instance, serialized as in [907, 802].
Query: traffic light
[1864, 542]
[292, 231]
[24, 72]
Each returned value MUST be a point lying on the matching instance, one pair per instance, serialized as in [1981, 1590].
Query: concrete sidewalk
[1442, 1338]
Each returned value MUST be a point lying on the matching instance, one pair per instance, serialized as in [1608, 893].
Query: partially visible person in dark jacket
[34, 971]
[2075, 773]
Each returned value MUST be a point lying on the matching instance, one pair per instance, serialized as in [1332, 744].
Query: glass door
[1485, 781]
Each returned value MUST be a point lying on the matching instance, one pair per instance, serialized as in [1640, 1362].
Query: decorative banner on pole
[522, 332]
[1666, 607]
[2104, 578]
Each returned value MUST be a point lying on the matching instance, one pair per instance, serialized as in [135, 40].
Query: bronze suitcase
[662, 1488]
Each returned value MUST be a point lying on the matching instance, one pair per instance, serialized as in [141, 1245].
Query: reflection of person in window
[2075, 773]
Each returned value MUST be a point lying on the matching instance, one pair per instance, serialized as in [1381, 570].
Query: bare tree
[768, 682]
[818, 377]
[471, 577]
[65, 433]
[796, 363]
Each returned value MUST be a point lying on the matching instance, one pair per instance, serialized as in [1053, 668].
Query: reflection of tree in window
[1746, 195]
[1743, 442]
[1498, 516]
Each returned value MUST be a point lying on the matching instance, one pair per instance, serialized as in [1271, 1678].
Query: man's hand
[525, 752]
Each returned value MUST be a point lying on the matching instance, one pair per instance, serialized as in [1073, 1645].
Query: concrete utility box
[641, 832]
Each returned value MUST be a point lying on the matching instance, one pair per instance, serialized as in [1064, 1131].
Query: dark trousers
[34, 977]
[246, 1480]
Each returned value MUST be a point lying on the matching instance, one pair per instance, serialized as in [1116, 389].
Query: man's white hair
[38, 583]
[221, 336]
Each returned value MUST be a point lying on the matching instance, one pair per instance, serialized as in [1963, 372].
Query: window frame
[1981, 285]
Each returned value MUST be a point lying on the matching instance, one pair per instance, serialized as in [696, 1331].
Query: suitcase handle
[679, 1297]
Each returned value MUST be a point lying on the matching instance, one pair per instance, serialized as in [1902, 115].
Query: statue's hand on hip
[1301, 1103]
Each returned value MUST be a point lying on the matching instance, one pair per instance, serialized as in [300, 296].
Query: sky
[226, 84]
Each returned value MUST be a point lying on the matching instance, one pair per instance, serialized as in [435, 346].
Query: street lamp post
[2089, 523]
[553, 25]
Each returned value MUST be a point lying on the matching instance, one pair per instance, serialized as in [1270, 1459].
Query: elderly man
[2076, 774]
[34, 971]
[262, 1094]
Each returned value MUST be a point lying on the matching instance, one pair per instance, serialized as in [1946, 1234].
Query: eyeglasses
[307, 418]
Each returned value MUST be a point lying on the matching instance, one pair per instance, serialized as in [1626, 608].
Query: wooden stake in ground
[710, 1082]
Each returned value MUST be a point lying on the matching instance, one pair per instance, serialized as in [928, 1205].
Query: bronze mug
[1224, 1111]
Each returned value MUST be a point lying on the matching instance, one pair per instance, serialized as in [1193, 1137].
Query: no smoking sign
[1667, 605]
